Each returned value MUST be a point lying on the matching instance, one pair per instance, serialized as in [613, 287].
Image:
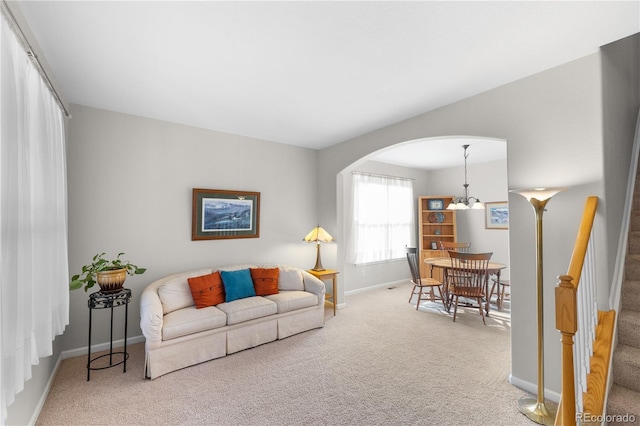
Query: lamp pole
[535, 408]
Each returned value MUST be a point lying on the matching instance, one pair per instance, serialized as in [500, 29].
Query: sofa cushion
[288, 301]
[237, 284]
[174, 292]
[207, 290]
[246, 309]
[265, 280]
[290, 279]
[192, 320]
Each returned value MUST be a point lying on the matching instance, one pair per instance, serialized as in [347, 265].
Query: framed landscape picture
[219, 214]
[497, 215]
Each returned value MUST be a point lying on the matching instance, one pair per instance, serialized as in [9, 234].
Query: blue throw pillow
[237, 284]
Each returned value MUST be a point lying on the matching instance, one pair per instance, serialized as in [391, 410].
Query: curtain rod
[32, 55]
[380, 175]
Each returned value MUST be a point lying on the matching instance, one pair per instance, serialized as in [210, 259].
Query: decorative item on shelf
[437, 231]
[436, 204]
[535, 408]
[462, 203]
[109, 274]
[434, 245]
[436, 217]
[318, 235]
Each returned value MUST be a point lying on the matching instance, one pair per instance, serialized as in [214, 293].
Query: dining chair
[500, 294]
[423, 287]
[451, 246]
[448, 246]
[469, 279]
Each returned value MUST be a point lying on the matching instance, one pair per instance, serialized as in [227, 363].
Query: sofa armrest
[151, 317]
[314, 285]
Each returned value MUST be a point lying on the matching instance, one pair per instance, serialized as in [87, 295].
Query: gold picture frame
[496, 215]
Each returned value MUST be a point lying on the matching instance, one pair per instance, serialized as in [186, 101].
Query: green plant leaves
[99, 264]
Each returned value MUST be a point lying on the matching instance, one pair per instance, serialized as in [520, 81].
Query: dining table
[444, 263]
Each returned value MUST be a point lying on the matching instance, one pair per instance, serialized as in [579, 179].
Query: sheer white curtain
[383, 217]
[34, 293]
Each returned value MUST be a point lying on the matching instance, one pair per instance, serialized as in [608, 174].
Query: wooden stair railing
[576, 310]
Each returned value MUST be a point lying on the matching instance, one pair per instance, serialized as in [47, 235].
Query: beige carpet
[378, 362]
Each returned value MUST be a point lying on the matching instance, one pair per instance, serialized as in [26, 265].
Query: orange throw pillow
[265, 280]
[207, 290]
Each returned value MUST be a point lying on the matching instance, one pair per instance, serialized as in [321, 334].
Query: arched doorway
[436, 166]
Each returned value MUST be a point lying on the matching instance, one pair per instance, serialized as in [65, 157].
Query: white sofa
[178, 335]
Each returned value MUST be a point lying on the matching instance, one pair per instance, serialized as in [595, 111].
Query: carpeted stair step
[634, 242]
[622, 404]
[629, 328]
[631, 295]
[635, 220]
[626, 367]
[632, 267]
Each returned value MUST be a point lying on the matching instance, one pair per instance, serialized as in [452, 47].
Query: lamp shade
[318, 234]
[540, 194]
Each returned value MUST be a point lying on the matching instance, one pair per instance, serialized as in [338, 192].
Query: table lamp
[318, 235]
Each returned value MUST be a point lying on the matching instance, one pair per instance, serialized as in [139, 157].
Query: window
[383, 223]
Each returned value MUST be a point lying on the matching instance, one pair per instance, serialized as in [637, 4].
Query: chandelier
[462, 203]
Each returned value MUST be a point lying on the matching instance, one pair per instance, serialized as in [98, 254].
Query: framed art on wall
[220, 214]
[497, 215]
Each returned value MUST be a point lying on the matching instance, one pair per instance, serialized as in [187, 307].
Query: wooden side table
[327, 274]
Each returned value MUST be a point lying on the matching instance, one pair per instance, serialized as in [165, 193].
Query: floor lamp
[535, 408]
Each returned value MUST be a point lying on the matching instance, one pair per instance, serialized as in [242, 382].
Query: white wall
[130, 190]
[552, 122]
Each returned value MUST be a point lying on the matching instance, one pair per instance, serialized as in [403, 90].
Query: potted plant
[109, 274]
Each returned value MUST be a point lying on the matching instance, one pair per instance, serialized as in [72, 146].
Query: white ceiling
[442, 153]
[309, 73]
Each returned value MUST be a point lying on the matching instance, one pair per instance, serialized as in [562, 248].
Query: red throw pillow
[265, 280]
[207, 290]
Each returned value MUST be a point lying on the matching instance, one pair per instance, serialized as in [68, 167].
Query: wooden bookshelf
[435, 224]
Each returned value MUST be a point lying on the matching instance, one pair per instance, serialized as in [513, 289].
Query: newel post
[567, 324]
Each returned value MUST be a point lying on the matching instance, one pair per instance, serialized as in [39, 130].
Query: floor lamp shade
[318, 235]
[535, 408]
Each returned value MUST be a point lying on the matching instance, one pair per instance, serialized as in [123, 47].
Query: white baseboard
[101, 347]
[373, 287]
[533, 388]
[45, 393]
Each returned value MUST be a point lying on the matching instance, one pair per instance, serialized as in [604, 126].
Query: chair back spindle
[412, 259]
[448, 246]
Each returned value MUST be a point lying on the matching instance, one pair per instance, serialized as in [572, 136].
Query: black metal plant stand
[101, 300]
